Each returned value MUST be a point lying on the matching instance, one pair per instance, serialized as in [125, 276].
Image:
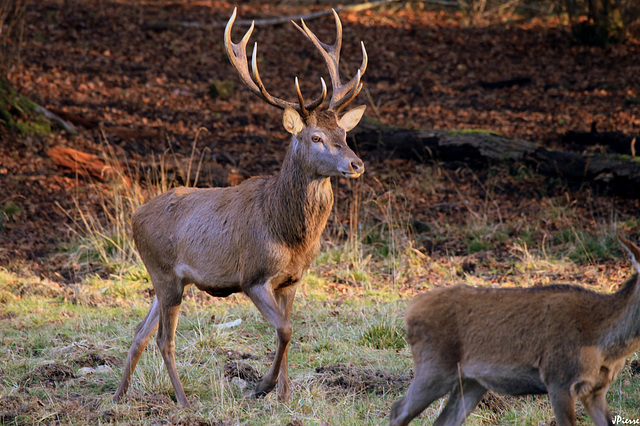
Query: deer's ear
[292, 121]
[632, 249]
[351, 118]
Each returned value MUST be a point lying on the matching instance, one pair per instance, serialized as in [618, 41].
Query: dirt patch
[76, 407]
[244, 371]
[94, 359]
[361, 380]
[14, 406]
[22, 288]
[7, 316]
[48, 375]
[233, 355]
[23, 408]
[10, 407]
[155, 409]
[196, 421]
[494, 403]
[155, 404]
[635, 367]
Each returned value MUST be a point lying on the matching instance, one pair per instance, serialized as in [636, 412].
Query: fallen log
[614, 174]
[504, 84]
[616, 141]
[83, 163]
[188, 171]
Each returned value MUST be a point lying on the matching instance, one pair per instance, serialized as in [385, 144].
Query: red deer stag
[562, 340]
[258, 237]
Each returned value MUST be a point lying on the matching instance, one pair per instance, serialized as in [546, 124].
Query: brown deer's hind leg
[170, 299]
[428, 384]
[143, 333]
[563, 405]
[461, 403]
[262, 296]
[596, 405]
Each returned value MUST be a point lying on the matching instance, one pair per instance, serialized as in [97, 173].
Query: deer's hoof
[263, 388]
[284, 397]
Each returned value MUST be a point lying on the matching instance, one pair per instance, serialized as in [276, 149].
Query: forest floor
[163, 102]
[141, 93]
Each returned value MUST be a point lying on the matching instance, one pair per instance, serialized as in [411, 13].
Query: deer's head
[319, 136]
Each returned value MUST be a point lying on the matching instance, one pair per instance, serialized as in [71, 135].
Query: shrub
[600, 22]
[12, 14]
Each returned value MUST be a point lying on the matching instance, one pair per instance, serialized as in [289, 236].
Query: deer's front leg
[285, 297]
[262, 296]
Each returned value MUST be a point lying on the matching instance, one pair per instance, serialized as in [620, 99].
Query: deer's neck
[298, 204]
[623, 334]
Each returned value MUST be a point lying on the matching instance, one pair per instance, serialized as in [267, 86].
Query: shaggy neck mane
[298, 203]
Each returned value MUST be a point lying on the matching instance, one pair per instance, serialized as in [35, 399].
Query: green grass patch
[585, 247]
[385, 334]
[478, 244]
[464, 132]
[19, 113]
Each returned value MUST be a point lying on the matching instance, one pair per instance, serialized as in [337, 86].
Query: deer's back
[212, 235]
[516, 324]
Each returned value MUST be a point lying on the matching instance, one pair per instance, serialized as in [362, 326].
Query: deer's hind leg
[461, 403]
[431, 381]
[563, 404]
[596, 405]
[143, 333]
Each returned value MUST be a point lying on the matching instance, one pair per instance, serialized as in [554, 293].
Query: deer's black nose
[357, 166]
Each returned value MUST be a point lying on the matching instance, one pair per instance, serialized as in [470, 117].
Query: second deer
[258, 237]
[562, 340]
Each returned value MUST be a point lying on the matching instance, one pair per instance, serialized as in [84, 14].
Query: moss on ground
[18, 113]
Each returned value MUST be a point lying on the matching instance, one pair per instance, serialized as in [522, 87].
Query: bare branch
[160, 25]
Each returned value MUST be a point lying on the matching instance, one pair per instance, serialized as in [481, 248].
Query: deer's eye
[316, 138]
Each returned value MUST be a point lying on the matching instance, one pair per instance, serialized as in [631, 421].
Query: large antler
[238, 56]
[342, 94]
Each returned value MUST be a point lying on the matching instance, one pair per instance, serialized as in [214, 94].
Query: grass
[463, 132]
[19, 113]
[347, 338]
[349, 360]
[384, 334]
[38, 330]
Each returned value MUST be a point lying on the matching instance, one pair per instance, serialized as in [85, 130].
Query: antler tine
[280, 103]
[354, 86]
[237, 53]
[331, 54]
[320, 99]
[342, 94]
[301, 99]
[351, 95]
[306, 109]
